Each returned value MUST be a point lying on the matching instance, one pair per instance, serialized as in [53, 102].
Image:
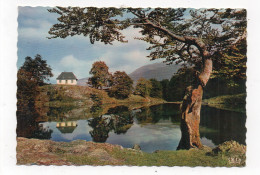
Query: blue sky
[75, 54]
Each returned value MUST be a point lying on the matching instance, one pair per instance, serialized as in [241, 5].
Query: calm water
[153, 128]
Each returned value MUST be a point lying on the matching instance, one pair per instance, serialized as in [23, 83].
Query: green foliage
[122, 85]
[178, 84]
[235, 102]
[164, 28]
[38, 68]
[143, 87]
[99, 24]
[172, 35]
[101, 77]
[165, 89]
[156, 90]
[222, 86]
[232, 64]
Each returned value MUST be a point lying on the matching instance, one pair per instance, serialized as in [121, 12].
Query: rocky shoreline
[80, 152]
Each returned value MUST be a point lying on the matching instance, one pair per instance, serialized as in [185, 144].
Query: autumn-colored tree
[38, 68]
[156, 90]
[100, 75]
[122, 85]
[29, 77]
[197, 39]
[143, 87]
[27, 90]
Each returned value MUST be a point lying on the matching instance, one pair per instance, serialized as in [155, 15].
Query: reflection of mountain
[158, 71]
[66, 127]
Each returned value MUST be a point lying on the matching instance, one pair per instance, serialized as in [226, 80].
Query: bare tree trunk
[190, 110]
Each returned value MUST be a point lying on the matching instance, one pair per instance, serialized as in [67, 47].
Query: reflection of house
[67, 78]
[66, 127]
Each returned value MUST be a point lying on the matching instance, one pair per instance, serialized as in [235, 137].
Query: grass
[192, 158]
[228, 102]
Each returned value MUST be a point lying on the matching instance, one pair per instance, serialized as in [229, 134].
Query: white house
[67, 78]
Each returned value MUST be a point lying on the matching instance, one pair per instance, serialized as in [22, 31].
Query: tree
[122, 85]
[38, 68]
[179, 82]
[101, 77]
[27, 90]
[29, 77]
[143, 87]
[165, 89]
[198, 40]
[156, 90]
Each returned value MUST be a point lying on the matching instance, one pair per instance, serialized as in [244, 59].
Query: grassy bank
[62, 95]
[46, 152]
[228, 102]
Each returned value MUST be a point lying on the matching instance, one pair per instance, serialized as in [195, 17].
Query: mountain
[82, 81]
[158, 71]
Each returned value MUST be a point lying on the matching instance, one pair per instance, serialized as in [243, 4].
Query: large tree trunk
[190, 110]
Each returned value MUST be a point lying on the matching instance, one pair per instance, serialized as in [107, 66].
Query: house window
[66, 81]
[59, 81]
[71, 81]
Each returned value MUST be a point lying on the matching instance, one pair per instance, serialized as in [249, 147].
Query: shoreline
[81, 152]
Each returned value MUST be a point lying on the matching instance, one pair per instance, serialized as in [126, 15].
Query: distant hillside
[82, 81]
[158, 71]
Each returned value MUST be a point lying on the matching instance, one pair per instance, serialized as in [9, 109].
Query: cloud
[75, 54]
[127, 61]
[70, 63]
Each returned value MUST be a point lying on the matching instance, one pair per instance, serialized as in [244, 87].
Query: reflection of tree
[58, 114]
[42, 133]
[96, 110]
[227, 125]
[29, 128]
[118, 119]
[122, 119]
[101, 126]
[153, 114]
[27, 115]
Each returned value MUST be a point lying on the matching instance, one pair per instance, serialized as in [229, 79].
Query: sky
[75, 54]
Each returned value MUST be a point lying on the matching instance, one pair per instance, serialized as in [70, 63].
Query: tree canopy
[156, 90]
[122, 85]
[101, 76]
[177, 35]
[143, 87]
[38, 69]
[197, 38]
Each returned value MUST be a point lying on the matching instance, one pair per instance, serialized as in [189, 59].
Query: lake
[152, 127]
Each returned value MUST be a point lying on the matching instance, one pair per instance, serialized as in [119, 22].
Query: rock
[136, 147]
[233, 151]
[230, 147]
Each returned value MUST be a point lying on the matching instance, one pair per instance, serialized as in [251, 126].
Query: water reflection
[66, 127]
[152, 127]
[117, 119]
[222, 125]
